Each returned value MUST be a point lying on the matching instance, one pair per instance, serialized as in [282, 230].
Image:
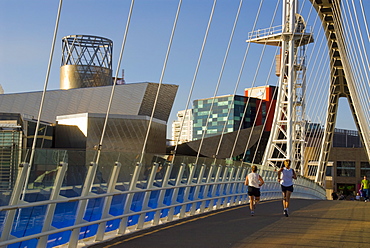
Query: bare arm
[279, 174]
[246, 181]
[294, 175]
[261, 181]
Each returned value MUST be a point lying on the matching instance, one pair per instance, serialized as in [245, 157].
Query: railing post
[14, 200]
[273, 183]
[81, 208]
[236, 185]
[149, 185]
[62, 168]
[243, 187]
[206, 188]
[130, 196]
[226, 170]
[197, 188]
[187, 190]
[228, 185]
[217, 179]
[163, 192]
[267, 178]
[108, 200]
[176, 191]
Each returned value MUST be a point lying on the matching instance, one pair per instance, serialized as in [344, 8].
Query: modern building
[231, 113]
[182, 128]
[222, 114]
[125, 133]
[129, 99]
[17, 133]
[229, 145]
[73, 120]
[266, 106]
[348, 161]
[73, 117]
[232, 116]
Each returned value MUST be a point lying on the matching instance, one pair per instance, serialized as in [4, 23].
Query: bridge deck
[311, 223]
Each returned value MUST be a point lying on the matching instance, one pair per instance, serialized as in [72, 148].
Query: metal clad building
[124, 133]
[129, 99]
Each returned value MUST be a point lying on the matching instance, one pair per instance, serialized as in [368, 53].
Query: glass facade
[10, 143]
[44, 134]
[365, 169]
[346, 169]
[346, 138]
[17, 133]
[226, 115]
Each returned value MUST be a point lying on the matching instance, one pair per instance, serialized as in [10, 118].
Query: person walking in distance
[254, 181]
[285, 178]
[365, 187]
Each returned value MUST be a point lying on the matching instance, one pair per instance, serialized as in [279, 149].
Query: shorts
[287, 188]
[252, 191]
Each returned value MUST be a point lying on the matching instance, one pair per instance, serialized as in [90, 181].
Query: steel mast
[287, 135]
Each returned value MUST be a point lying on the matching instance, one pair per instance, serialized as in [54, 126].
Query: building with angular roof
[129, 99]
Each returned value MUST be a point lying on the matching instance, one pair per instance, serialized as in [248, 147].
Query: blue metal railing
[70, 202]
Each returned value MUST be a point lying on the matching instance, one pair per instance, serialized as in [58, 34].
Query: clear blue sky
[26, 31]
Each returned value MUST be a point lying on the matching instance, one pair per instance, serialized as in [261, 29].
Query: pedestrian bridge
[312, 223]
[54, 213]
[83, 198]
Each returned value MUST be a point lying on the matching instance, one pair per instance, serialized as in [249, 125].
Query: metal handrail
[230, 178]
[35, 236]
[259, 33]
[265, 32]
[16, 240]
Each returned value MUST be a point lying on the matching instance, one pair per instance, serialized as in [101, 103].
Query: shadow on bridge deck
[310, 224]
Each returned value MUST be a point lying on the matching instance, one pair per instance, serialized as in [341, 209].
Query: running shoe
[286, 213]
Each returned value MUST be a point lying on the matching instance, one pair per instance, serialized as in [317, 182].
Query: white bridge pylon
[287, 135]
[343, 83]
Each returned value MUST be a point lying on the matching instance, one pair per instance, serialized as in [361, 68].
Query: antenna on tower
[122, 79]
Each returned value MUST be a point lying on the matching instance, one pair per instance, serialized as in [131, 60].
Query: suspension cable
[220, 76]
[201, 54]
[365, 20]
[160, 81]
[241, 70]
[192, 85]
[43, 96]
[253, 83]
[115, 82]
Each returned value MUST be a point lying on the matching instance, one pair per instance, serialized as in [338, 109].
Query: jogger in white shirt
[254, 182]
[286, 181]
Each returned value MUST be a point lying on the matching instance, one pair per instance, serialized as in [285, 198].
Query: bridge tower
[343, 84]
[287, 135]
